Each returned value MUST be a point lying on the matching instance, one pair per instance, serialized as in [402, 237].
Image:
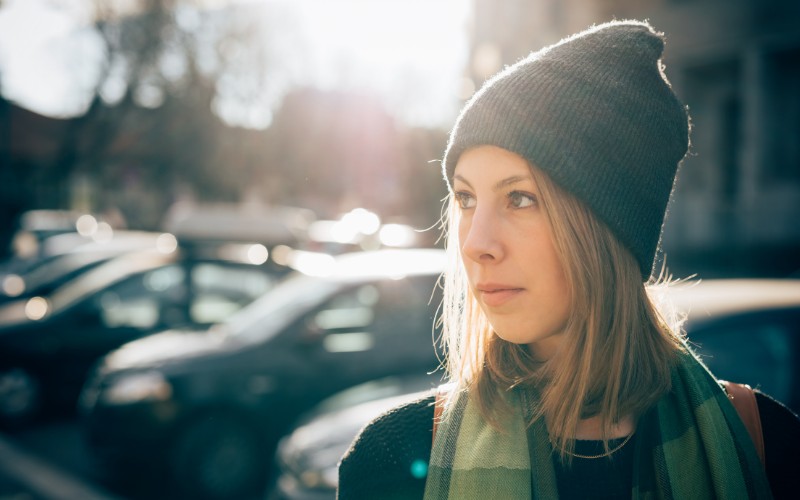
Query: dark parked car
[745, 331]
[210, 407]
[309, 456]
[52, 271]
[49, 343]
[43, 233]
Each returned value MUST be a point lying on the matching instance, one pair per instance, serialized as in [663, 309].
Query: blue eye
[464, 200]
[518, 199]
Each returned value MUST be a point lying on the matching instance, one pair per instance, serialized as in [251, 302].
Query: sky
[410, 53]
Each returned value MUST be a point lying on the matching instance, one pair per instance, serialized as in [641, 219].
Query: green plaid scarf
[691, 444]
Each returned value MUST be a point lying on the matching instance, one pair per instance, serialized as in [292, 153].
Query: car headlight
[136, 388]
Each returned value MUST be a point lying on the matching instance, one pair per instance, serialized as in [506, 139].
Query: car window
[60, 267]
[103, 276]
[279, 307]
[344, 322]
[387, 315]
[248, 281]
[757, 349]
[220, 290]
[350, 309]
[402, 310]
[143, 300]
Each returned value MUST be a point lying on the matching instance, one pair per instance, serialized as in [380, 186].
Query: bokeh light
[13, 285]
[166, 243]
[257, 254]
[36, 308]
[86, 225]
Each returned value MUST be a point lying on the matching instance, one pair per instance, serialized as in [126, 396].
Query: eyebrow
[500, 184]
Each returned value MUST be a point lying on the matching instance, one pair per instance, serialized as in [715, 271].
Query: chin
[546, 341]
[514, 335]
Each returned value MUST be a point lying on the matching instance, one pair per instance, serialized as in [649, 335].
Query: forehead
[490, 163]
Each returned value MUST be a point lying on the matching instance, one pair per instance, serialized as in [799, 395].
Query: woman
[566, 381]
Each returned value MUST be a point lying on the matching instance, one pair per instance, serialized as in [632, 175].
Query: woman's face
[506, 244]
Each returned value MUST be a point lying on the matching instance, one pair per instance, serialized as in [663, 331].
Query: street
[48, 461]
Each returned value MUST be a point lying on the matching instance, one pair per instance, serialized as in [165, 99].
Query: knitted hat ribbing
[596, 113]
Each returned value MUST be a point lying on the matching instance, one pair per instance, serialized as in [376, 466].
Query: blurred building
[327, 151]
[736, 64]
[23, 157]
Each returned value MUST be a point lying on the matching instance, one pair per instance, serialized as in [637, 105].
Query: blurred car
[52, 271]
[270, 225]
[747, 331]
[744, 330]
[309, 456]
[210, 407]
[42, 233]
[360, 229]
[49, 343]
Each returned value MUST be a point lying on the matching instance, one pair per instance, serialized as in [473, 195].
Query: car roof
[718, 297]
[376, 264]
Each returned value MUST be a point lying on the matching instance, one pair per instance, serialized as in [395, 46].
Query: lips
[496, 295]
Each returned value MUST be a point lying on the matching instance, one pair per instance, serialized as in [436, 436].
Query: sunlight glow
[411, 54]
[49, 58]
[362, 220]
[397, 235]
[312, 263]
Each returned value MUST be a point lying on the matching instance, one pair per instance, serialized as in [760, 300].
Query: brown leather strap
[744, 400]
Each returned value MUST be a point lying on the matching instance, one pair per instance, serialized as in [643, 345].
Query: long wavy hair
[618, 348]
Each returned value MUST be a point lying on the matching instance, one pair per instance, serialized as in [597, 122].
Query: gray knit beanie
[596, 113]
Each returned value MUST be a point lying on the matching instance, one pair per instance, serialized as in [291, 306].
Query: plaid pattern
[691, 444]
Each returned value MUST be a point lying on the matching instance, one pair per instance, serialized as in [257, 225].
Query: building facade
[736, 65]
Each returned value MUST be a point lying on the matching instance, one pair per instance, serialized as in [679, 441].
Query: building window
[713, 94]
[781, 82]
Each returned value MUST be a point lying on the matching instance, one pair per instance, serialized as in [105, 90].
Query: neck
[590, 428]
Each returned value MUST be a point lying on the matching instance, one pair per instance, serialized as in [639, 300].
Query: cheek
[463, 230]
[463, 233]
[546, 266]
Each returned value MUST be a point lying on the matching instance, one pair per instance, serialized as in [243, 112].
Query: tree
[149, 125]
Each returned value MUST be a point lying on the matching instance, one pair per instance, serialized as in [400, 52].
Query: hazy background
[129, 109]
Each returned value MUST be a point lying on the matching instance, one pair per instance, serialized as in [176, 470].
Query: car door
[368, 331]
[138, 305]
[761, 349]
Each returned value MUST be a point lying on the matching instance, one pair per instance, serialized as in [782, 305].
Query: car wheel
[219, 456]
[20, 396]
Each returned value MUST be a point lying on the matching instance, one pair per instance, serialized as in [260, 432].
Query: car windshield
[278, 307]
[104, 276]
[61, 266]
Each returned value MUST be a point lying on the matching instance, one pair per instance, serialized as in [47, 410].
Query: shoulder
[389, 458]
[781, 430]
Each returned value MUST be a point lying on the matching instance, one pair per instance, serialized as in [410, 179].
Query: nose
[479, 233]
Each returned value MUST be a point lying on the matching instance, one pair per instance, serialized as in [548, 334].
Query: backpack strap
[744, 400]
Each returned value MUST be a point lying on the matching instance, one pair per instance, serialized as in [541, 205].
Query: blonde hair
[618, 350]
